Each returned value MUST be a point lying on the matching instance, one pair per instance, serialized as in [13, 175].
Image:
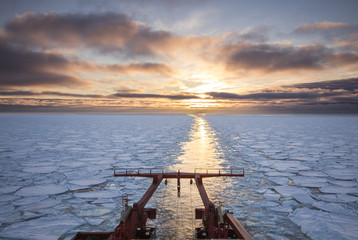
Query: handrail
[153, 172]
[138, 171]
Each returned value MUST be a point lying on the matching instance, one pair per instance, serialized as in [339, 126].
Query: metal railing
[138, 171]
[150, 171]
[220, 171]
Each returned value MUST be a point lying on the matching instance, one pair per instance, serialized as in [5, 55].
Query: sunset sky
[179, 56]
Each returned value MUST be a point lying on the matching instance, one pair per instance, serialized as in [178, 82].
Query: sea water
[57, 179]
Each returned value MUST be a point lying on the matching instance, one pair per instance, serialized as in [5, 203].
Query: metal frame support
[138, 215]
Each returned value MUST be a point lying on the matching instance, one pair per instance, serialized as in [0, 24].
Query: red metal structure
[133, 220]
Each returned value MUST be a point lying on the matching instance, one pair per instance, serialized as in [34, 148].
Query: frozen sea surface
[302, 170]
[56, 172]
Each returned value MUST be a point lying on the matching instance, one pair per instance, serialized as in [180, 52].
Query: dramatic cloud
[271, 95]
[48, 93]
[120, 94]
[275, 57]
[339, 96]
[109, 33]
[159, 69]
[349, 43]
[105, 32]
[336, 31]
[20, 67]
[350, 85]
[81, 60]
[144, 95]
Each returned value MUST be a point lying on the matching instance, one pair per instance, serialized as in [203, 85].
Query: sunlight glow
[201, 103]
[201, 150]
[208, 83]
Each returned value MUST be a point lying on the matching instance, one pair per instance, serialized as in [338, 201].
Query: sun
[206, 83]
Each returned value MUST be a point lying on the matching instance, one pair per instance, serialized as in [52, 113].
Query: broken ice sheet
[42, 169]
[287, 191]
[323, 225]
[55, 226]
[309, 181]
[92, 211]
[307, 146]
[271, 195]
[41, 190]
[334, 208]
[87, 182]
[283, 209]
[279, 180]
[343, 174]
[9, 189]
[339, 189]
[42, 206]
[303, 198]
[98, 194]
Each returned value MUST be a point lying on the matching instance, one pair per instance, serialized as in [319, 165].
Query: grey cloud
[160, 69]
[328, 30]
[271, 95]
[21, 67]
[46, 93]
[350, 84]
[272, 58]
[120, 94]
[105, 32]
[143, 95]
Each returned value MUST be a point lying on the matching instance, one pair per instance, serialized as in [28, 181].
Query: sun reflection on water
[176, 215]
[202, 151]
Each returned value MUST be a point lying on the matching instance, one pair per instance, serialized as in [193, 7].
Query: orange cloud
[322, 26]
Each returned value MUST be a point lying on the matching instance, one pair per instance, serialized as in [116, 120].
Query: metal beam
[138, 172]
[237, 227]
[209, 206]
[149, 193]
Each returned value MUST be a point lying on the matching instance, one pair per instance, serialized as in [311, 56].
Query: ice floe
[41, 190]
[56, 171]
[324, 225]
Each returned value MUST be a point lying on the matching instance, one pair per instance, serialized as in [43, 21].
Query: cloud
[349, 42]
[270, 95]
[256, 34]
[332, 89]
[343, 59]
[144, 95]
[48, 93]
[271, 58]
[120, 94]
[274, 57]
[328, 30]
[105, 32]
[350, 85]
[21, 67]
[159, 69]
[322, 26]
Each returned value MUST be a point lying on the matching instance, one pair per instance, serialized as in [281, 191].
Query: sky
[179, 56]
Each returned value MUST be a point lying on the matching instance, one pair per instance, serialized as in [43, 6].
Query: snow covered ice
[300, 182]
